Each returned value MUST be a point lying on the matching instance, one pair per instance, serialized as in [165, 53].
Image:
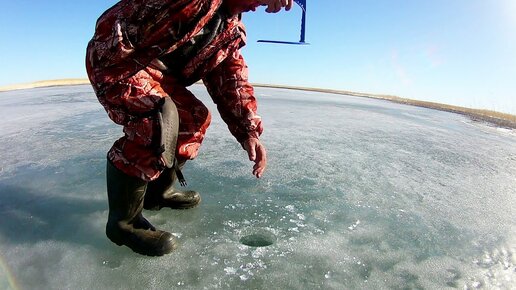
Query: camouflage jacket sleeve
[229, 88]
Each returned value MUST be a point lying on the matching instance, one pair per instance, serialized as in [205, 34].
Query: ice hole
[258, 239]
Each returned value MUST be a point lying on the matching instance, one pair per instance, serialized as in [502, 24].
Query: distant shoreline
[498, 119]
[503, 120]
[47, 83]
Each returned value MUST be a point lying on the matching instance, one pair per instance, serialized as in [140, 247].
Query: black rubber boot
[126, 225]
[162, 193]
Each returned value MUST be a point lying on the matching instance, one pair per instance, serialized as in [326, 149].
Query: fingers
[252, 153]
[250, 148]
[258, 170]
[274, 6]
[260, 161]
[257, 153]
[287, 4]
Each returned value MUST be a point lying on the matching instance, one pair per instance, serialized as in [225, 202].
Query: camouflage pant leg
[194, 119]
[136, 153]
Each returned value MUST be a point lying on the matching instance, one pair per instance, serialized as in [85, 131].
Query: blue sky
[460, 52]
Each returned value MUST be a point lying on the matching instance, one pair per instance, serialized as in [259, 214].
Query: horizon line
[500, 119]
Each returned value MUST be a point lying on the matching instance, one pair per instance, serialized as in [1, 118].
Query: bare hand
[274, 6]
[258, 154]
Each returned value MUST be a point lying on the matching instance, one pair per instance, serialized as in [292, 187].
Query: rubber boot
[126, 225]
[162, 193]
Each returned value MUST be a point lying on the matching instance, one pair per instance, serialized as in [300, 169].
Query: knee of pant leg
[202, 117]
[205, 120]
[188, 151]
[191, 136]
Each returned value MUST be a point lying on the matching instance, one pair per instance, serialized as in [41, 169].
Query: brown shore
[503, 120]
[47, 83]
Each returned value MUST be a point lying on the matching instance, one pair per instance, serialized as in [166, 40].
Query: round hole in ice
[258, 239]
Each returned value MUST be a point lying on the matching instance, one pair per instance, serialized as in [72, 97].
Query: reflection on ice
[358, 194]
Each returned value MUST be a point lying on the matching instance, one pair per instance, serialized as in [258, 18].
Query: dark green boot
[126, 225]
[162, 193]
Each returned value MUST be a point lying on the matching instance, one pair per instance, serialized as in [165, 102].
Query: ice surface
[359, 193]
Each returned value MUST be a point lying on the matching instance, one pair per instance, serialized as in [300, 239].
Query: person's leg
[137, 153]
[194, 120]
[162, 193]
[134, 104]
[126, 225]
[133, 161]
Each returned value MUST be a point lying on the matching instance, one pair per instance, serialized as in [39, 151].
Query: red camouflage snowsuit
[128, 38]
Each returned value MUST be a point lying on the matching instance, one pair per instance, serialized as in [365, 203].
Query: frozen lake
[359, 194]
